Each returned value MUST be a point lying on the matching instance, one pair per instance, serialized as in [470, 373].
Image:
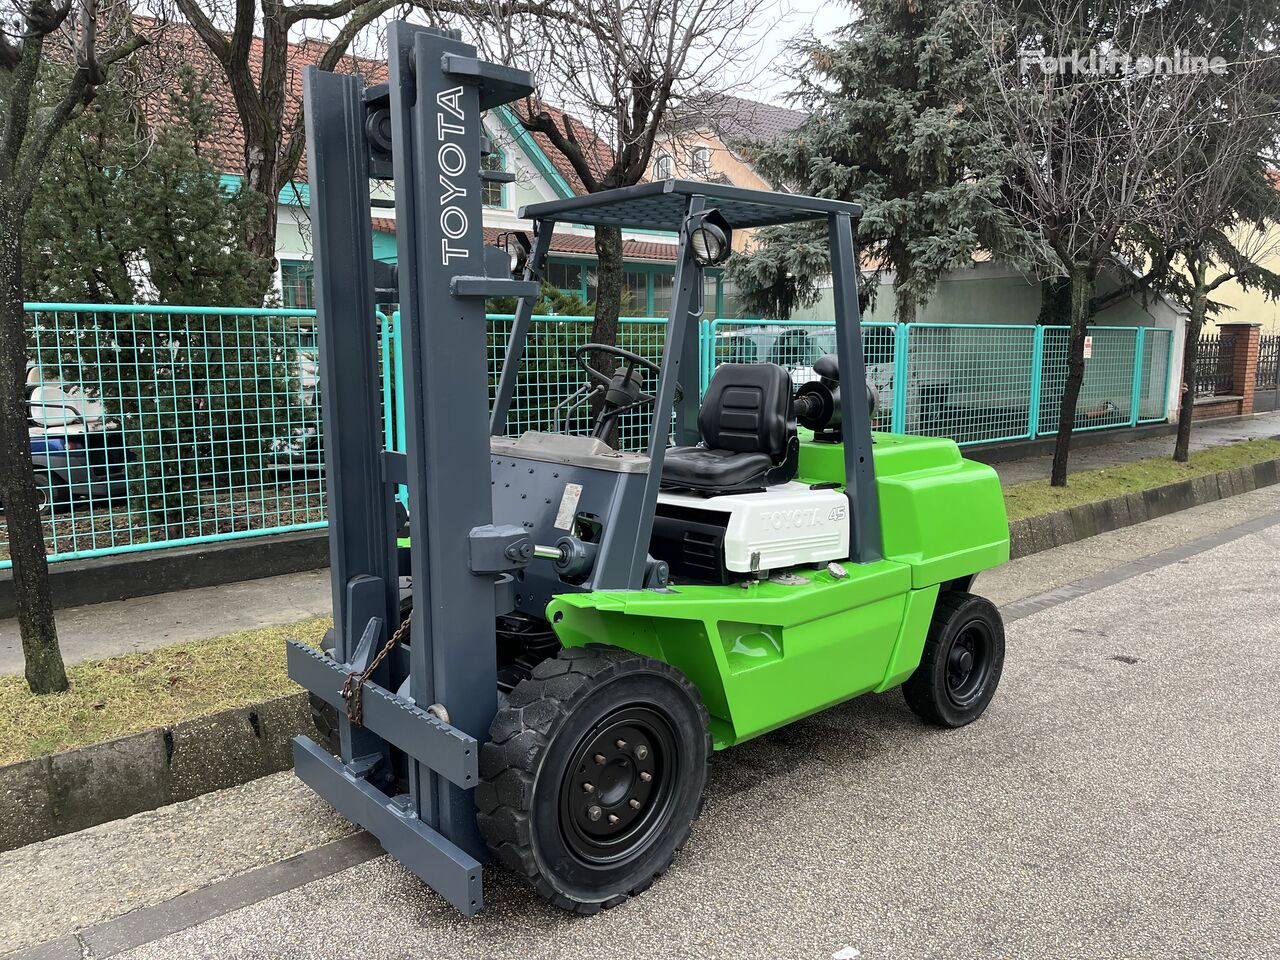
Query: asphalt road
[1119, 799]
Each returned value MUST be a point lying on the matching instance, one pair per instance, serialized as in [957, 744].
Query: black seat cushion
[703, 469]
[746, 427]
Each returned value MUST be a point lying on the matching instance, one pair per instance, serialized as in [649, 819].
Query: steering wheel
[618, 391]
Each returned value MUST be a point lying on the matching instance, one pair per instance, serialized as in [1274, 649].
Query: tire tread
[527, 724]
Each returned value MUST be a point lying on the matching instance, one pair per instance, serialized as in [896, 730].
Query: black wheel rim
[969, 662]
[619, 787]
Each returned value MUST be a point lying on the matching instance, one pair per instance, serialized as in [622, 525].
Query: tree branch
[213, 38]
[542, 122]
[20, 91]
[79, 92]
[291, 155]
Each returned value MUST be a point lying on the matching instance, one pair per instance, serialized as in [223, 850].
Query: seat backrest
[747, 409]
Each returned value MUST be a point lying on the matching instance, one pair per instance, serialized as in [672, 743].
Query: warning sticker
[568, 506]
[1088, 346]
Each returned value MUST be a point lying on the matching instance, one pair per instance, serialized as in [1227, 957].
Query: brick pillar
[1244, 370]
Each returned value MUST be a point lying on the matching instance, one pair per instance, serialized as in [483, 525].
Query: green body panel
[764, 653]
[940, 513]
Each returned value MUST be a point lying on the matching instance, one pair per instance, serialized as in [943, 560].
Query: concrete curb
[1049, 530]
[69, 791]
[145, 573]
[79, 788]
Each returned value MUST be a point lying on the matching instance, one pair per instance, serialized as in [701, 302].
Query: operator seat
[748, 434]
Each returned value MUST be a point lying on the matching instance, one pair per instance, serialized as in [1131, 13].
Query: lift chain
[353, 686]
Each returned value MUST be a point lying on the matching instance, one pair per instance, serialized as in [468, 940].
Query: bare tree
[1090, 126]
[53, 57]
[618, 68]
[250, 42]
[1225, 224]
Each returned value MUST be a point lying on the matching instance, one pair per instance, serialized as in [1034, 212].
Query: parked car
[77, 453]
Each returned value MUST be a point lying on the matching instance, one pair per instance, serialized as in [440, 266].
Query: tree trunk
[260, 177]
[45, 671]
[1081, 294]
[1190, 354]
[904, 306]
[604, 328]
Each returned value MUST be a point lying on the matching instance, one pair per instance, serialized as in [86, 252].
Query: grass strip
[1089, 486]
[137, 691]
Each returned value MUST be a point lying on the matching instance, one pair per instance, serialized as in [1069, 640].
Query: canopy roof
[661, 206]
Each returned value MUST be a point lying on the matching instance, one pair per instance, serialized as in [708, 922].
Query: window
[794, 348]
[636, 285]
[296, 285]
[736, 349]
[733, 306]
[494, 194]
[566, 276]
[662, 287]
[699, 162]
[662, 168]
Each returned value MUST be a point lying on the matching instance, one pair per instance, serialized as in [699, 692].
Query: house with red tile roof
[542, 173]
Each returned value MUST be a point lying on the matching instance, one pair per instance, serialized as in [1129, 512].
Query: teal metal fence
[974, 383]
[165, 426]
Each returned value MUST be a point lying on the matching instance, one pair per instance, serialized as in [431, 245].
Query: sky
[785, 20]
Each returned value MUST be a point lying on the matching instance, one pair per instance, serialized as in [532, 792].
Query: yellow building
[1252, 306]
[712, 147]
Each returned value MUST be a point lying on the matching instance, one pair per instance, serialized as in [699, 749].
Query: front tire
[593, 775]
[961, 664]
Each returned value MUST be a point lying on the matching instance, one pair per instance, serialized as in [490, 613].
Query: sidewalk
[143, 623]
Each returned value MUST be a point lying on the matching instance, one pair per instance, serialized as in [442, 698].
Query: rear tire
[961, 664]
[593, 775]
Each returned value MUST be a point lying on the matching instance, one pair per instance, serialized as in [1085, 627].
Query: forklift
[534, 658]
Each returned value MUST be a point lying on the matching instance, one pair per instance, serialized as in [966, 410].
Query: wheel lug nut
[634, 804]
[613, 820]
[620, 744]
[642, 752]
[594, 812]
[598, 758]
[588, 788]
[646, 776]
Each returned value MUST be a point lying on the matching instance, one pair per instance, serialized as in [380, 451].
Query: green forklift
[534, 659]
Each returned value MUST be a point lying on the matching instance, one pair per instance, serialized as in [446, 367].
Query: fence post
[708, 350]
[1139, 345]
[704, 353]
[1244, 366]
[390, 386]
[1037, 373]
[901, 343]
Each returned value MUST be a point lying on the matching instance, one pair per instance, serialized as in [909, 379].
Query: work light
[711, 237]
[517, 245]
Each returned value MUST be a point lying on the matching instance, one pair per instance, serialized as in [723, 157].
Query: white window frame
[700, 162]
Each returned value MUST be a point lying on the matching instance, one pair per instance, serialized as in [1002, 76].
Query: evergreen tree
[128, 212]
[131, 212]
[889, 128]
